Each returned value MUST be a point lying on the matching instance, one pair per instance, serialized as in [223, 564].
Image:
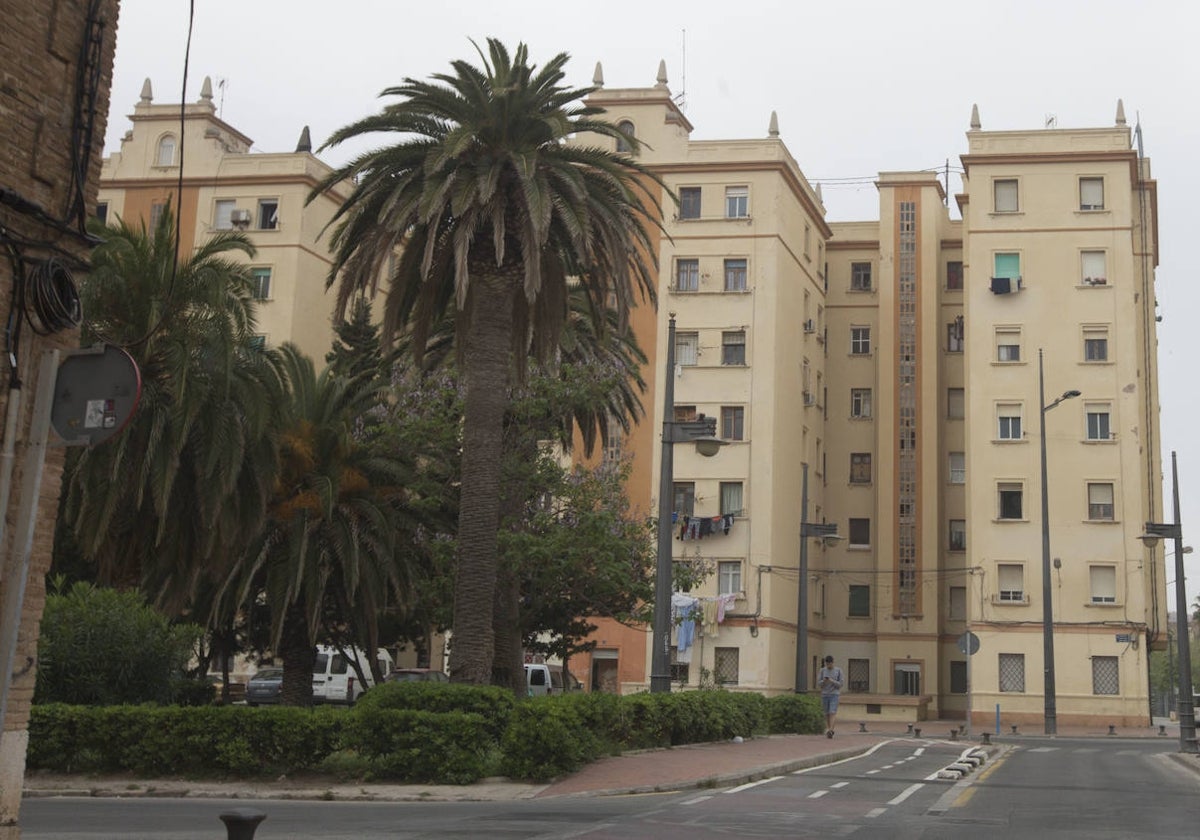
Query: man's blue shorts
[829, 702]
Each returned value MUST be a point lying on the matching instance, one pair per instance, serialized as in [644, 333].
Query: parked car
[263, 688]
[417, 675]
[335, 680]
[237, 690]
[542, 679]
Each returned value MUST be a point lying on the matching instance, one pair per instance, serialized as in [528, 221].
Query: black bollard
[987, 738]
[1014, 726]
[953, 734]
[917, 732]
[862, 726]
[241, 823]
[1162, 729]
[1112, 730]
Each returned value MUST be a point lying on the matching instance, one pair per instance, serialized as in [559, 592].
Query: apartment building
[227, 186]
[896, 362]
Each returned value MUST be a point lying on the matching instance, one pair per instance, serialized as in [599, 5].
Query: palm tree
[489, 206]
[331, 542]
[185, 485]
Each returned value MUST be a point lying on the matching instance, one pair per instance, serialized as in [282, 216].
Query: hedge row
[415, 732]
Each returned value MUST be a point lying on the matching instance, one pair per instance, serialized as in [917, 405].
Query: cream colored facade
[225, 187]
[882, 354]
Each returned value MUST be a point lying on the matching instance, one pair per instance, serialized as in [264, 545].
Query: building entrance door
[604, 671]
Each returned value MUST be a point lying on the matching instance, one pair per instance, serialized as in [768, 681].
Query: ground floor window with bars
[858, 676]
[1105, 675]
[725, 665]
[679, 670]
[1012, 672]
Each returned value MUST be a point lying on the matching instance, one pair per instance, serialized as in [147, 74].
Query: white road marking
[907, 792]
[844, 760]
[839, 785]
[918, 751]
[696, 800]
[872, 772]
[875, 812]
[887, 766]
[749, 785]
[817, 794]
[1044, 749]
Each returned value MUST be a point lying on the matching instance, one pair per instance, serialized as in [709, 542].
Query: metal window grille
[679, 670]
[1012, 672]
[1105, 675]
[858, 676]
[725, 665]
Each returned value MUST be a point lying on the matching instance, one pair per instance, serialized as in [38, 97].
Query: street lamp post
[828, 533]
[1051, 701]
[1174, 530]
[702, 431]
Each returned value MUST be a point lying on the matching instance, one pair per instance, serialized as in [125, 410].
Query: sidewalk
[678, 768]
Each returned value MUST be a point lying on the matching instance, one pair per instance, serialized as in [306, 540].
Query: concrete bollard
[862, 726]
[1162, 729]
[910, 728]
[1112, 730]
[241, 823]
[987, 738]
[917, 732]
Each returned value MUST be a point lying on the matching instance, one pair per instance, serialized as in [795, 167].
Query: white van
[542, 679]
[334, 678]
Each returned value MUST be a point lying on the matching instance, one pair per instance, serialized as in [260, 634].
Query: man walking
[830, 679]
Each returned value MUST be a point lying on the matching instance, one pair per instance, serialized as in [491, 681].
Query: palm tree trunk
[298, 654]
[486, 372]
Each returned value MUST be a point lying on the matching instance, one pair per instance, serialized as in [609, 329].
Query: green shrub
[546, 738]
[493, 703]
[418, 746]
[798, 714]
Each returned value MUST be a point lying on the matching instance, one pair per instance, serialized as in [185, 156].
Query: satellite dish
[95, 394]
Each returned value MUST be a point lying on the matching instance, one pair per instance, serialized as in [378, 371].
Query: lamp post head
[1070, 395]
[1156, 531]
[709, 445]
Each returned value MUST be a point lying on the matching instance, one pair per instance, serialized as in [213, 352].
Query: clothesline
[685, 609]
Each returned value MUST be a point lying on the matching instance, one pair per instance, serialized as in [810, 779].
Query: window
[1012, 672]
[613, 440]
[679, 670]
[689, 202]
[687, 348]
[725, 665]
[860, 403]
[1008, 345]
[268, 214]
[102, 212]
[956, 404]
[1100, 501]
[1011, 582]
[860, 601]
[1098, 421]
[731, 497]
[906, 679]
[687, 275]
[733, 422]
[954, 335]
[958, 603]
[1011, 499]
[1093, 266]
[1095, 344]
[860, 532]
[1105, 675]
[733, 348]
[958, 468]
[684, 413]
[860, 341]
[157, 208]
[1006, 274]
[261, 283]
[860, 277]
[858, 676]
[954, 275]
[1008, 418]
[807, 241]
[958, 535]
[166, 151]
[860, 467]
[735, 275]
[729, 577]
[625, 144]
[1104, 584]
[1091, 193]
[685, 498]
[737, 202]
[223, 215]
[1005, 190]
[958, 676]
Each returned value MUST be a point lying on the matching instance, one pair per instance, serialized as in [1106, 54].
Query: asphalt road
[1042, 789]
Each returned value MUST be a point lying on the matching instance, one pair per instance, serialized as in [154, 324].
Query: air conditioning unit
[809, 326]
[240, 218]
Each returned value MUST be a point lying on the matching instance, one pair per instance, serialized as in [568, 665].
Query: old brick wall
[44, 103]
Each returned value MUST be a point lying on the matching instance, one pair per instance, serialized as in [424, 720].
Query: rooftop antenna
[221, 104]
[1051, 121]
[681, 97]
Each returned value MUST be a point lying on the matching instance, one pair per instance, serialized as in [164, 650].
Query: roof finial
[598, 76]
[773, 125]
[206, 90]
[147, 92]
[1120, 112]
[662, 73]
[304, 144]
[975, 124]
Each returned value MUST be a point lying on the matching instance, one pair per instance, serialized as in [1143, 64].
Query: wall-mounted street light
[1174, 530]
[703, 432]
[827, 533]
[1051, 701]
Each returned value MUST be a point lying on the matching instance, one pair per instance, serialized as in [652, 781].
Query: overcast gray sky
[860, 87]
